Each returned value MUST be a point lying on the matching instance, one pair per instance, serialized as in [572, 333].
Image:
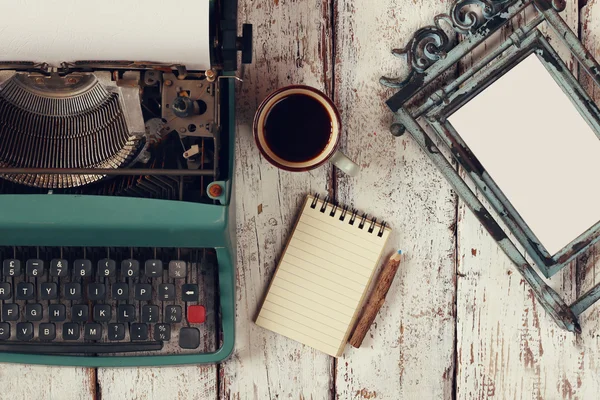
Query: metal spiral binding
[353, 217]
[344, 213]
[315, 201]
[362, 221]
[333, 209]
[325, 203]
[381, 229]
[372, 226]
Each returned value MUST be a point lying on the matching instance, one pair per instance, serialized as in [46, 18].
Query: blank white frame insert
[538, 149]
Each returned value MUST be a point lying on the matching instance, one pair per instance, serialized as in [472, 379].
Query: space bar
[54, 348]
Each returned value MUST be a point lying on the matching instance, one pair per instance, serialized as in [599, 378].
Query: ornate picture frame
[431, 52]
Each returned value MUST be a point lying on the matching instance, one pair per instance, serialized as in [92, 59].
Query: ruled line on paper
[286, 286]
[317, 248]
[324, 261]
[308, 330]
[327, 285]
[294, 305]
[333, 311]
[311, 323]
[294, 334]
[323, 272]
[323, 235]
[316, 291]
[350, 249]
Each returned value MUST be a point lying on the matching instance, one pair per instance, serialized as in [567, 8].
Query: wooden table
[459, 320]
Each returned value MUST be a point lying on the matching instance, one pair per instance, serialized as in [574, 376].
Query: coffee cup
[298, 128]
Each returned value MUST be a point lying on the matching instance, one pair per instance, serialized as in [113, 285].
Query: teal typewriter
[117, 230]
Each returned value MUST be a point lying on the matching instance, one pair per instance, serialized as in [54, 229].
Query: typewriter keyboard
[108, 301]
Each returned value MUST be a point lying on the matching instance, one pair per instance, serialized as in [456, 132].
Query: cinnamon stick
[384, 281]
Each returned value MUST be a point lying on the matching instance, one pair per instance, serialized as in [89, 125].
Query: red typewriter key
[196, 314]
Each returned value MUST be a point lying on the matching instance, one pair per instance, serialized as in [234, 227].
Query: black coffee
[298, 128]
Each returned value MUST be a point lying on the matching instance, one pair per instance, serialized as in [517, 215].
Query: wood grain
[292, 44]
[409, 350]
[588, 265]
[193, 382]
[507, 346]
[46, 383]
[186, 382]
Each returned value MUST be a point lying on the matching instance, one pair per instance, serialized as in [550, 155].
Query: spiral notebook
[323, 276]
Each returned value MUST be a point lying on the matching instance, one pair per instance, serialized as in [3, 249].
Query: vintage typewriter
[117, 231]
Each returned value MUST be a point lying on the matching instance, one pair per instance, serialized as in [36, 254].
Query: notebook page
[322, 278]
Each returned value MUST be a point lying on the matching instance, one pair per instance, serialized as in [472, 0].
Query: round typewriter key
[24, 331]
[4, 331]
[59, 267]
[47, 332]
[189, 292]
[189, 338]
[130, 268]
[25, 291]
[153, 268]
[173, 314]
[96, 291]
[92, 331]
[116, 331]
[162, 332]
[120, 291]
[107, 267]
[33, 312]
[139, 332]
[49, 291]
[82, 268]
[5, 292]
[71, 331]
[177, 269]
[102, 313]
[10, 312]
[34, 267]
[57, 312]
[11, 267]
[196, 314]
[72, 291]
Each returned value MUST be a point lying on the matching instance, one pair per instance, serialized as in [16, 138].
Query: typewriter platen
[117, 237]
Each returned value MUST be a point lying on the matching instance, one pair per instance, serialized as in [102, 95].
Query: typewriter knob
[244, 44]
[184, 107]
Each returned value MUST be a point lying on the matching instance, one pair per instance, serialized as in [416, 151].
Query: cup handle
[345, 164]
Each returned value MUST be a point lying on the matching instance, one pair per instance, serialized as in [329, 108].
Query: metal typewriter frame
[65, 220]
[430, 53]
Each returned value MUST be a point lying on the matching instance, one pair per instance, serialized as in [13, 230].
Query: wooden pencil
[384, 282]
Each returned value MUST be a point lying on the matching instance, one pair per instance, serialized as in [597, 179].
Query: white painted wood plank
[408, 353]
[292, 45]
[193, 382]
[588, 265]
[46, 383]
[189, 382]
[507, 346]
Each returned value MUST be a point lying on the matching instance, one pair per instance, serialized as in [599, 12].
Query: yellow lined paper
[322, 277]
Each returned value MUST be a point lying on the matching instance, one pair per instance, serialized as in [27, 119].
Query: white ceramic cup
[329, 152]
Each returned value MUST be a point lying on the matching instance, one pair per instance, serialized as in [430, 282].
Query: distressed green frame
[430, 54]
